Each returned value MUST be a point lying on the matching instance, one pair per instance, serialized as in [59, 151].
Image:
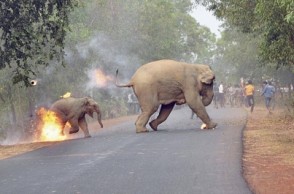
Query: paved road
[178, 159]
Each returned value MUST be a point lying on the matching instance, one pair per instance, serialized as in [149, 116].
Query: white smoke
[107, 56]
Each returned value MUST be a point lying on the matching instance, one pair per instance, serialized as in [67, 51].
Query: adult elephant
[74, 110]
[168, 82]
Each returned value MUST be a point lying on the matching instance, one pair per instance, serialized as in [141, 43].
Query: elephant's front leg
[84, 126]
[197, 107]
[165, 111]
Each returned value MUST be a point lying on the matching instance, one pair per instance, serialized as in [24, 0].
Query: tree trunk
[12, 107]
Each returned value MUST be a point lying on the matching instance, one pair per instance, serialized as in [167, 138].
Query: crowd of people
[239, 95]
[233, 95]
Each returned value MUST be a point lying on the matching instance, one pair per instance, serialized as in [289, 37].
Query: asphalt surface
[178, 159]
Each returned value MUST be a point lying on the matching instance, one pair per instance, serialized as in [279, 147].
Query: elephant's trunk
[207, 94]
[99, 116]
[99, 119]
[206, 101]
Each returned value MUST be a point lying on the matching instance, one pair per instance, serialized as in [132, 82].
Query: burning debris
[66, 95]
[98, 78]
[49, 127]
[203, 126]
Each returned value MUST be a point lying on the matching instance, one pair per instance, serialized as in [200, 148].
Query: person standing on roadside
[249, 93]
[268, 93]
[130, 102]
[215, 96]
[221, 95]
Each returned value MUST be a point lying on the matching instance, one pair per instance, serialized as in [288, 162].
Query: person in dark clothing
[268, 92]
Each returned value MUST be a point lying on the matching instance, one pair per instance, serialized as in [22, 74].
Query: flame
[50, 126]
[66, 95]
[100, 78]
[203, 126]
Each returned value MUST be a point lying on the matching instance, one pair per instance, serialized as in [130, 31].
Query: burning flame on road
[50, 126]
[101, 78]
[203, 126]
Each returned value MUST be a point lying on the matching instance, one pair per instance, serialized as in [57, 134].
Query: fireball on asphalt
[50, 127]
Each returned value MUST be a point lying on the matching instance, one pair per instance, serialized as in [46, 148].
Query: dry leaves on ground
[268, 152]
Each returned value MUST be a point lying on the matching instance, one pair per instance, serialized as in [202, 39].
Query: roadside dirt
[268, 159]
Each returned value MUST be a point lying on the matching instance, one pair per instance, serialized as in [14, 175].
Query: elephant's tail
[121, 85]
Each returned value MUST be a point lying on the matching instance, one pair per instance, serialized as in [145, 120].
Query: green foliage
[277, 44]
[150, 30]
[32, 34]
[271, 20]
[287, 5]
[236, 57]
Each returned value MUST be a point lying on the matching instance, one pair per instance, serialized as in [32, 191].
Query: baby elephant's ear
[207, 76]
[89, 106]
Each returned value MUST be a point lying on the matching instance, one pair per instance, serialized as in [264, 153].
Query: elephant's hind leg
[143, 119]
[62, 128]
[165, 111]
[84, 126]
[74, 126]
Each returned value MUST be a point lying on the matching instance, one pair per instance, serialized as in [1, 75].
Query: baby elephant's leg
[84, 126]
[74, 126]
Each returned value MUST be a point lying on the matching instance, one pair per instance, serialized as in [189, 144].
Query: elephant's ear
[207, 76]
[89, 105]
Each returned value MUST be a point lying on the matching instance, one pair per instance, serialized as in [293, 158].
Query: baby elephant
[73, 110]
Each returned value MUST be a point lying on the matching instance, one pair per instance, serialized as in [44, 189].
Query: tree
[236, 56]
[272, 21]
[139, 32]
[288, 5]
[32, 34]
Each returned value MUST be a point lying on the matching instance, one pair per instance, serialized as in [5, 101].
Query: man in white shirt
[221, 95]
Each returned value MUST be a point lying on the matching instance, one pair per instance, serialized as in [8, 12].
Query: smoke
[105, 53]
[12, 138]
[106, 56]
